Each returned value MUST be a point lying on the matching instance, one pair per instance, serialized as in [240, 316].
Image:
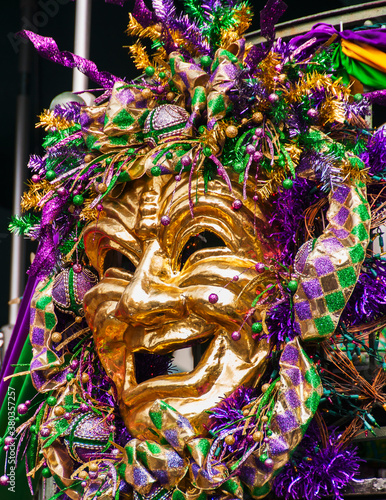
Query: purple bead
[22, 409]
[312, 113]
[83, 484]
[250, 149]
[6, 448]
[35, 178]
[272, 98]
[257, 156]
[84, 408]
[237, 204]
[177, 178]
[269, 463]
[165, 220]
[28, 403]
[160, 89]
[74, 364]
[4, 480]
[45, 432]
[112, 428]
[260, 267]
[9, 440]
[62, 192]
[213, 298]
[99, 207]
[185, 161]
[236, 336]
[254, 138]
[77, 268]
[235, 278]
[255, 198]
[67, 416]
[259, 132]
[279, 67]
[93, 474]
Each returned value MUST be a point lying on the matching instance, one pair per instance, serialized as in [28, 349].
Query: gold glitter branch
[134, 28]
[35, 193]
[139, 55]
[49, 121]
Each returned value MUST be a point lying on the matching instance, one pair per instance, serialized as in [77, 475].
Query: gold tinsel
[140, 56]
[89, 214]
[243, 19]
[36, 191]
[267, 71]
[49, 121]
[134, 28]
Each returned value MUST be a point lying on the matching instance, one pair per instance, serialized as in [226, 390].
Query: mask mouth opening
[184, 359]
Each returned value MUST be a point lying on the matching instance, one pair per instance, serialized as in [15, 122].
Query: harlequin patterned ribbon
[183, 461]
[329, 269]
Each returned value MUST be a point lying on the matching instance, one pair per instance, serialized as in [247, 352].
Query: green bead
[201, 129]
[155, 171]
[17, 419]
[205, 61]
[150, 71]
[292, 286]
[257, 327]
[98, 493]
[131, 151]
[50, 175]
[46, 472]
[51, 401]
[281, 163]
[169, 155]
[263, 457]
[33, 429]
[123, 176]
[207, 151]
[78, 200]
[358, 97]
[269, 432]
[288, 183]
[233, 59]
[162, 74]
[69, 376]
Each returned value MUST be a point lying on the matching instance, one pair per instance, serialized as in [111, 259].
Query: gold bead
[231, 131]
[244, 121]
[265, 388]
[85, 378]
[56, 337]
[71, 209]
[78, 319]
[264, 419]
[102, 188]
[93, 467]
[257, 117]
[230, 440]
[59, 411]
[246, 413]
[88, 158]
[147, 93]
[282, 78]
[257, 436]
[170, 96]
[83, 474]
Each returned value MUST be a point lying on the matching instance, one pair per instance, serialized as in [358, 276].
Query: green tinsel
[22, 224]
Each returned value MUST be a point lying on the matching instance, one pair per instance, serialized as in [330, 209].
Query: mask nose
[147, 299]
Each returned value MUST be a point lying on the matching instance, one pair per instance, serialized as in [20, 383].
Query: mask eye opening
[199, 241]
[116, 259]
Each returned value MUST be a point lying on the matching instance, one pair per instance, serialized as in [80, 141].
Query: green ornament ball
[358, 97]
[201, 129]
[149, 71]
[205, 61]
[169, 155]
[51, 401]
[50, 175]
[33, 429]
[292, 286]
[69, 376]
[257, 327]
[288, 183]
[123, 177]
[207, 151]
[131, 151]
[269, 432]
[263, 457]
[281, 162]
[46, 472]
[155, 171]
[233, 59]
[162, 74]
[78, 200]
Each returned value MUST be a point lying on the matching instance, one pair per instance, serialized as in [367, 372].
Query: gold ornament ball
[88, 158]
[78, 319]
[231, 131]
[230, 440]
[59, 411]
[244, 121]
[56, 337]
[282, 78]
[257, 117]
[83, 474]
[170, 96]
[246, 413]
[265, 388]
[85, 378]
[264, 419]
[257, 436]
[93, 467]
[147, 93]
[102, 188]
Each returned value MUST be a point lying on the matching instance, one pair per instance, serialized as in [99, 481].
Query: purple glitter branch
[280, 322]
[164, 10]
[48, 49]
[69, 111]
[191, 32]
[314, 472]
[375, 156]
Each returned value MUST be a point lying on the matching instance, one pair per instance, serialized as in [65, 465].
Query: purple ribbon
[48, 48]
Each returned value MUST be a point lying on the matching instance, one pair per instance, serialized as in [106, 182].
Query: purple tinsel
[69, 111]
[368, 300]
[191, 32]
[289, 206]
[325, 166]
[375, 156]
[314, 472]
[280, 322]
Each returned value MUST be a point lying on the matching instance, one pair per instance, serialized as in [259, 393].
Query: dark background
[55, 18]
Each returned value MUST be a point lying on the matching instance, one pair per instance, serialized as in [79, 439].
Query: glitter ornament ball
[70, 286]
[213, 298]
[4, 480]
